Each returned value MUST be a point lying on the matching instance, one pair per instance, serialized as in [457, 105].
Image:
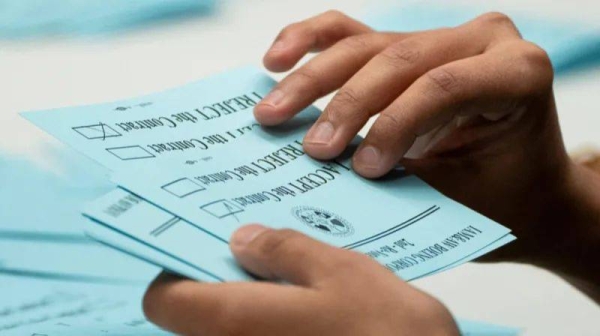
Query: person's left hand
[328, 291]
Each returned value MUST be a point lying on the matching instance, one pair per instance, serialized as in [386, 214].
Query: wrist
[569, 229]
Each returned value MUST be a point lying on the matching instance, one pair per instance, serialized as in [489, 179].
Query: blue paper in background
[26, 18]
[475, 328]
[41, 228]
[570, 45]
[38, 202]
[49, 307]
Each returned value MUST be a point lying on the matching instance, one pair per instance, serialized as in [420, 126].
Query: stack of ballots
[175, 173]
[192, 165]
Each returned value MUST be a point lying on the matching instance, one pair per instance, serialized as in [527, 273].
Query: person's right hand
[477, 99]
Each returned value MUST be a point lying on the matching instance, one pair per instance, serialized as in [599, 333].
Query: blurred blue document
[39, 199]
[476, 328]
[25, 18]
[570, 45]
[32, 306]
[60, 308]
[82, 261]
[41, 227]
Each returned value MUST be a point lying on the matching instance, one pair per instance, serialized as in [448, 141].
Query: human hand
[474, 102]
[329, 291]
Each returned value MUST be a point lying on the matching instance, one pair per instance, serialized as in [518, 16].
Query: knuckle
[535, 67]
[347, 96]
[496, 18]
[442, 81]
[334, 15]
[357, 42]
[334, 26]
[346, 262]
[536, 56]
[390, 121]
[289, 30]
[401, 54]
[276, 242]
[308, 81]
[337, 110]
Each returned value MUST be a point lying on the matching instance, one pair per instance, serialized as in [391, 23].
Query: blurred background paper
[44, 200]
[41, 227]
[570, 45]
[476, 328]
[26, 18]
[86, 261]
[49, 307]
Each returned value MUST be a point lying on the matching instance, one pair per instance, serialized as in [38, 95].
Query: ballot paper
[178, 152]
[182, 126]
[402, 223]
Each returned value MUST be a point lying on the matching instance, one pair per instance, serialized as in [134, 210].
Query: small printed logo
[323, 221]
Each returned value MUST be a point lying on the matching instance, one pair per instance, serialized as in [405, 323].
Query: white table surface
[49, 73]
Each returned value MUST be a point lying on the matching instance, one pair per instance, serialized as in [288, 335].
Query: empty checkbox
[130, 153]
[182, 187]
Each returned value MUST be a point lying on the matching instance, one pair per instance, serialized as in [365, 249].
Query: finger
[289, 255]
[500, 78]
[320, 76]
[314, 34]
[386, 76]
[188, 307]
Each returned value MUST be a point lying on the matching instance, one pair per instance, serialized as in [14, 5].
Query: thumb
[285, 255]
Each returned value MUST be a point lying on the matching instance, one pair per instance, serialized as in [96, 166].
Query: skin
[475, 104]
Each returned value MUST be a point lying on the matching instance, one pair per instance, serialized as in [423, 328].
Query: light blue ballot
[181, 126]
[158, 237]
[144, 251]
[491, 247]
[401, 222]
[187, 125]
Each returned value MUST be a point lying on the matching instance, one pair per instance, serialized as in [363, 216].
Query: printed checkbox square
[182, 188]
[97, 131]
[221, 208]
[130, 153]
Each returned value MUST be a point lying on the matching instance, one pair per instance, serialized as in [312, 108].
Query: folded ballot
[193, 165]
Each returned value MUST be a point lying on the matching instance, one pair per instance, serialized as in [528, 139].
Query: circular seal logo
[323, 221]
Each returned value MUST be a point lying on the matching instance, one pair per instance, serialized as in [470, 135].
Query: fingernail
[246, 234]
[368, 157]
[320, 134]
[277, 46]
[273, 98]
